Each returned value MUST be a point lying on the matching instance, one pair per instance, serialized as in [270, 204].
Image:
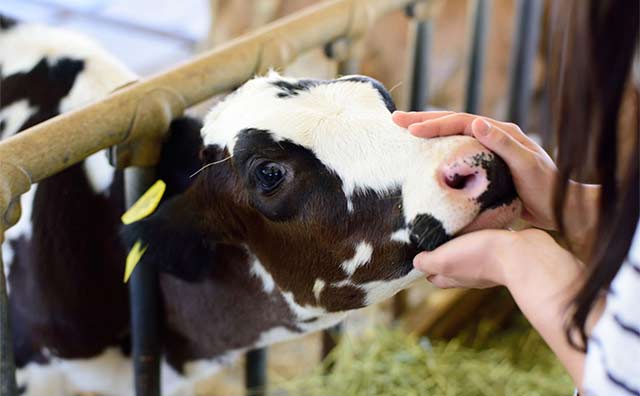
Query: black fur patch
[384, 94]
[312, 178]
[428, 233]
[288, 89]
[501, 190]
[175, 243]
[180, 156]
[44, 86]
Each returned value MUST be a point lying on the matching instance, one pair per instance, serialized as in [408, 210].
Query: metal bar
[8, 385]
[523, 53]
[144, 301]
[420, 68]
[330, 338]
[255, 372]
[477, 55]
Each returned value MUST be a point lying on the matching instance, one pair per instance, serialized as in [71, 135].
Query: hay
[391, 363]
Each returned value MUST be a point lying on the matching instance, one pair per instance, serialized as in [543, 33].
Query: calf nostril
[458, 181]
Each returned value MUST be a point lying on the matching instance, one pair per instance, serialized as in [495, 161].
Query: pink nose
[465, 172]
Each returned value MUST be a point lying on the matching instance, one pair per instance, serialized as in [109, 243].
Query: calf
[295, 202]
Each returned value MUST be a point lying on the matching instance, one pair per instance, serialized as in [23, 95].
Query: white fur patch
[361, 257]
[401, 235]
[23, 228]
[276, 334]
[99, 172]
[348, 127]
[302, 312]
[15, 116]
[258, 270]
[381, 290]
[111, 374]
[318, 286]
[323, 318]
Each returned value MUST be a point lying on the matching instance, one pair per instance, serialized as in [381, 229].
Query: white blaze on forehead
[349, 129]
[361, 257]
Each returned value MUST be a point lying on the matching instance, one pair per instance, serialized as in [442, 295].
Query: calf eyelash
[208, 165]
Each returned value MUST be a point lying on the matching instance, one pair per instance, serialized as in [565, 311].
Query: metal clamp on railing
[151, 119]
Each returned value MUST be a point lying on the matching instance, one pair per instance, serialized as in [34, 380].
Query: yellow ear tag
[143, 207]
[146, 204]
[135, 254]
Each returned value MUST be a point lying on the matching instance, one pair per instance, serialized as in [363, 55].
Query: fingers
[514, 153]
[404, 118]
[445, 123]
[465, 261]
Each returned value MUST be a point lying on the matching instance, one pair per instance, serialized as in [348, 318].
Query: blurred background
[148, 35]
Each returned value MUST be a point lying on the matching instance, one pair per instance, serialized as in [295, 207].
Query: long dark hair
[591, 54]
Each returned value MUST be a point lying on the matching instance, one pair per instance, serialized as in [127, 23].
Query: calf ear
[175, 240]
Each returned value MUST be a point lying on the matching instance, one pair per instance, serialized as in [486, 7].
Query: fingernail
[419, 128]
[417, 261]
[482, 127]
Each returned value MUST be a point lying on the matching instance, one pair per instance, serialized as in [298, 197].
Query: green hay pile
[515, 362]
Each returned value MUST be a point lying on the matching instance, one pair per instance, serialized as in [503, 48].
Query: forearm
[549, 322]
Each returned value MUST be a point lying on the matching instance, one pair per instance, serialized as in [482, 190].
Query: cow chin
[500, 217]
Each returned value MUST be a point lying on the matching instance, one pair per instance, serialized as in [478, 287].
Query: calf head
[332, 199]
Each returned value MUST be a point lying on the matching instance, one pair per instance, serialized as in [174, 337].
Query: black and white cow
[308, 202]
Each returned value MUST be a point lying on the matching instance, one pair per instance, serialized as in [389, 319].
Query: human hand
[532, 169]
[541, 276]
[519, 260]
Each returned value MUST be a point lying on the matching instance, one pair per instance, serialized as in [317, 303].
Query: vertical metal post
[423, 31]
[144, 301]
[477, 53]
[255, 372]
[523, 52]
[330, 338]
[8, 385]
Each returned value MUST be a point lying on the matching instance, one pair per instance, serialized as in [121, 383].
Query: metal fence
[133, 120]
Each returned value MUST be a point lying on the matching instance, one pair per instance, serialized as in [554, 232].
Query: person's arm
[540, 275]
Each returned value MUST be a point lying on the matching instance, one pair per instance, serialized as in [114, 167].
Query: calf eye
[269, 176]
